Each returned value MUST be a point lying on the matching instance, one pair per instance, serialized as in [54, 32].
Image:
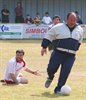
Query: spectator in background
[79, 21]
[47, 19]
[19, 13]
[37, 19]
[0, 20]
[5, 14]
[28, 20]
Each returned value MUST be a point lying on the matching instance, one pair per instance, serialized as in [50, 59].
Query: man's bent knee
[23, 80]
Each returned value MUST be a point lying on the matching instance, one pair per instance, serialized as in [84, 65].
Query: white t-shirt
[46, 20]
[13, 67]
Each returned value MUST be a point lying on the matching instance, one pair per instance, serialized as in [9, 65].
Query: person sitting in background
[5, 15]
[37, 19]
[79, 21]
[0, 20]
[28, 20]
[12, 73]
[47, 19]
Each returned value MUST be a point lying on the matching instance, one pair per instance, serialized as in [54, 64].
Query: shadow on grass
[48, 95]
[4, 84]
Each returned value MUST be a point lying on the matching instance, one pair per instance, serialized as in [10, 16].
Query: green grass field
[35, 90]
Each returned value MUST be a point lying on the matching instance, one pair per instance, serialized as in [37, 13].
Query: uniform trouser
[66, 61]
[5, 20]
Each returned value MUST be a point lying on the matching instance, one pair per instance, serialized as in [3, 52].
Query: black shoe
[57, 90]
[47, 83]
[58, 93]
[2, 80]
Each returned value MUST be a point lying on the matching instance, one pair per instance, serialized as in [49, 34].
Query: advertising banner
[20, 31]
[11, 31]
[35, 31]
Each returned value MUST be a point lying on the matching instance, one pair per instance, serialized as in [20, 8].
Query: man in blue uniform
[68, 37]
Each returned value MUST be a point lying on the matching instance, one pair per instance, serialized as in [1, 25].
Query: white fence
[20, 31]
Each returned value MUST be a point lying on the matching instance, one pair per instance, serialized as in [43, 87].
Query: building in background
[54, 7]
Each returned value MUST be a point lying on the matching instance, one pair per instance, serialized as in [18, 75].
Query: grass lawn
[35, 90]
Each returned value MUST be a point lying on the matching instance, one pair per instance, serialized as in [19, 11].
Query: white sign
[35, 31]
[11, 30]
[14, 31]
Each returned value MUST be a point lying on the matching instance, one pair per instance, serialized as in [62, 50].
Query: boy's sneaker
[47, 83]
[58, 93]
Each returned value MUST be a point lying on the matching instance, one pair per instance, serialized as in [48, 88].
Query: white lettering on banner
[36, 30]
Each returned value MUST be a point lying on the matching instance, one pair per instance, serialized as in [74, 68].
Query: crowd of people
[19, 18]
